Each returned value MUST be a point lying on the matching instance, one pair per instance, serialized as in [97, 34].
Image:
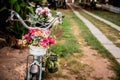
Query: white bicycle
[35, 69]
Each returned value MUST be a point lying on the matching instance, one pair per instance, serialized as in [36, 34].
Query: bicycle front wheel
[34, 77]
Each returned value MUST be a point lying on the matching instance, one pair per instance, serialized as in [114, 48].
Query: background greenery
[14, 29]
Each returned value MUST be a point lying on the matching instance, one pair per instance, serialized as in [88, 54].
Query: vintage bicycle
[35, 69]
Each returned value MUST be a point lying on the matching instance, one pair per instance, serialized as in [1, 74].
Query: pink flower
[51, 40]
[39, 11]
[28, 39]
[44, 42]
[46, 33]
[33, 31]
[26, 35]
[46, 11]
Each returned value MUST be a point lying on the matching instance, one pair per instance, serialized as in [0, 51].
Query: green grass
[66, 45]
[75, 66]
[110, 33]
[89, 38]
[66, 42]
[113, 17]
[92, 41]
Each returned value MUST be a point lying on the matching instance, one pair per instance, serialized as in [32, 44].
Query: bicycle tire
[34, 77]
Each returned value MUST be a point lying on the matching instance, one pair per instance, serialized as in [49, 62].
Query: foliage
[14, 29]
[22, 8]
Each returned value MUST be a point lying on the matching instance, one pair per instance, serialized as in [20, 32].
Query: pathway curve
[100, 36]
[103, 20]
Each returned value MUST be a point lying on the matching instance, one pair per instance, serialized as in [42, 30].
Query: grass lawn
[92, 41]
[113, 17]
[67, 44]
[111, 34]
[66, 41]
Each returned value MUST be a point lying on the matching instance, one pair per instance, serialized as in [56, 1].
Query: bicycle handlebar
[58, 17]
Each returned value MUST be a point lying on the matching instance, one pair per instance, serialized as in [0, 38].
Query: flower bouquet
[38, 40]
[40, 17]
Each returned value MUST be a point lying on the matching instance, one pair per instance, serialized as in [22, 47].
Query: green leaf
[30, 9]
[23, 4]
[3, 8]
[12, 1]
[17, 7]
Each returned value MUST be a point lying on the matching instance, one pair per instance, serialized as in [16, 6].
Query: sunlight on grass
[111, 38]
[111, 34]
[75, 66]
[113, 17]
[67, 43]
[69, 65]
[91, 40]
[106, 29]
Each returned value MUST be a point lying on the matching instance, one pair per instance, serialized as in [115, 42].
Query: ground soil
[100, 66]
[13, 62]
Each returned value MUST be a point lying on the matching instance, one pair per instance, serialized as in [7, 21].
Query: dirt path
[89, 66]
[99, 67]
[93, 59]
[12, 63]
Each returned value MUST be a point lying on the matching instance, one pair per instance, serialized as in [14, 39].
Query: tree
[115, 3]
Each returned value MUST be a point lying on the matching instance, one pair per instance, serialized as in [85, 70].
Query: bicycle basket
[37, 51]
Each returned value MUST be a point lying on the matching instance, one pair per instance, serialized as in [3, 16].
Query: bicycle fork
[35, 68]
